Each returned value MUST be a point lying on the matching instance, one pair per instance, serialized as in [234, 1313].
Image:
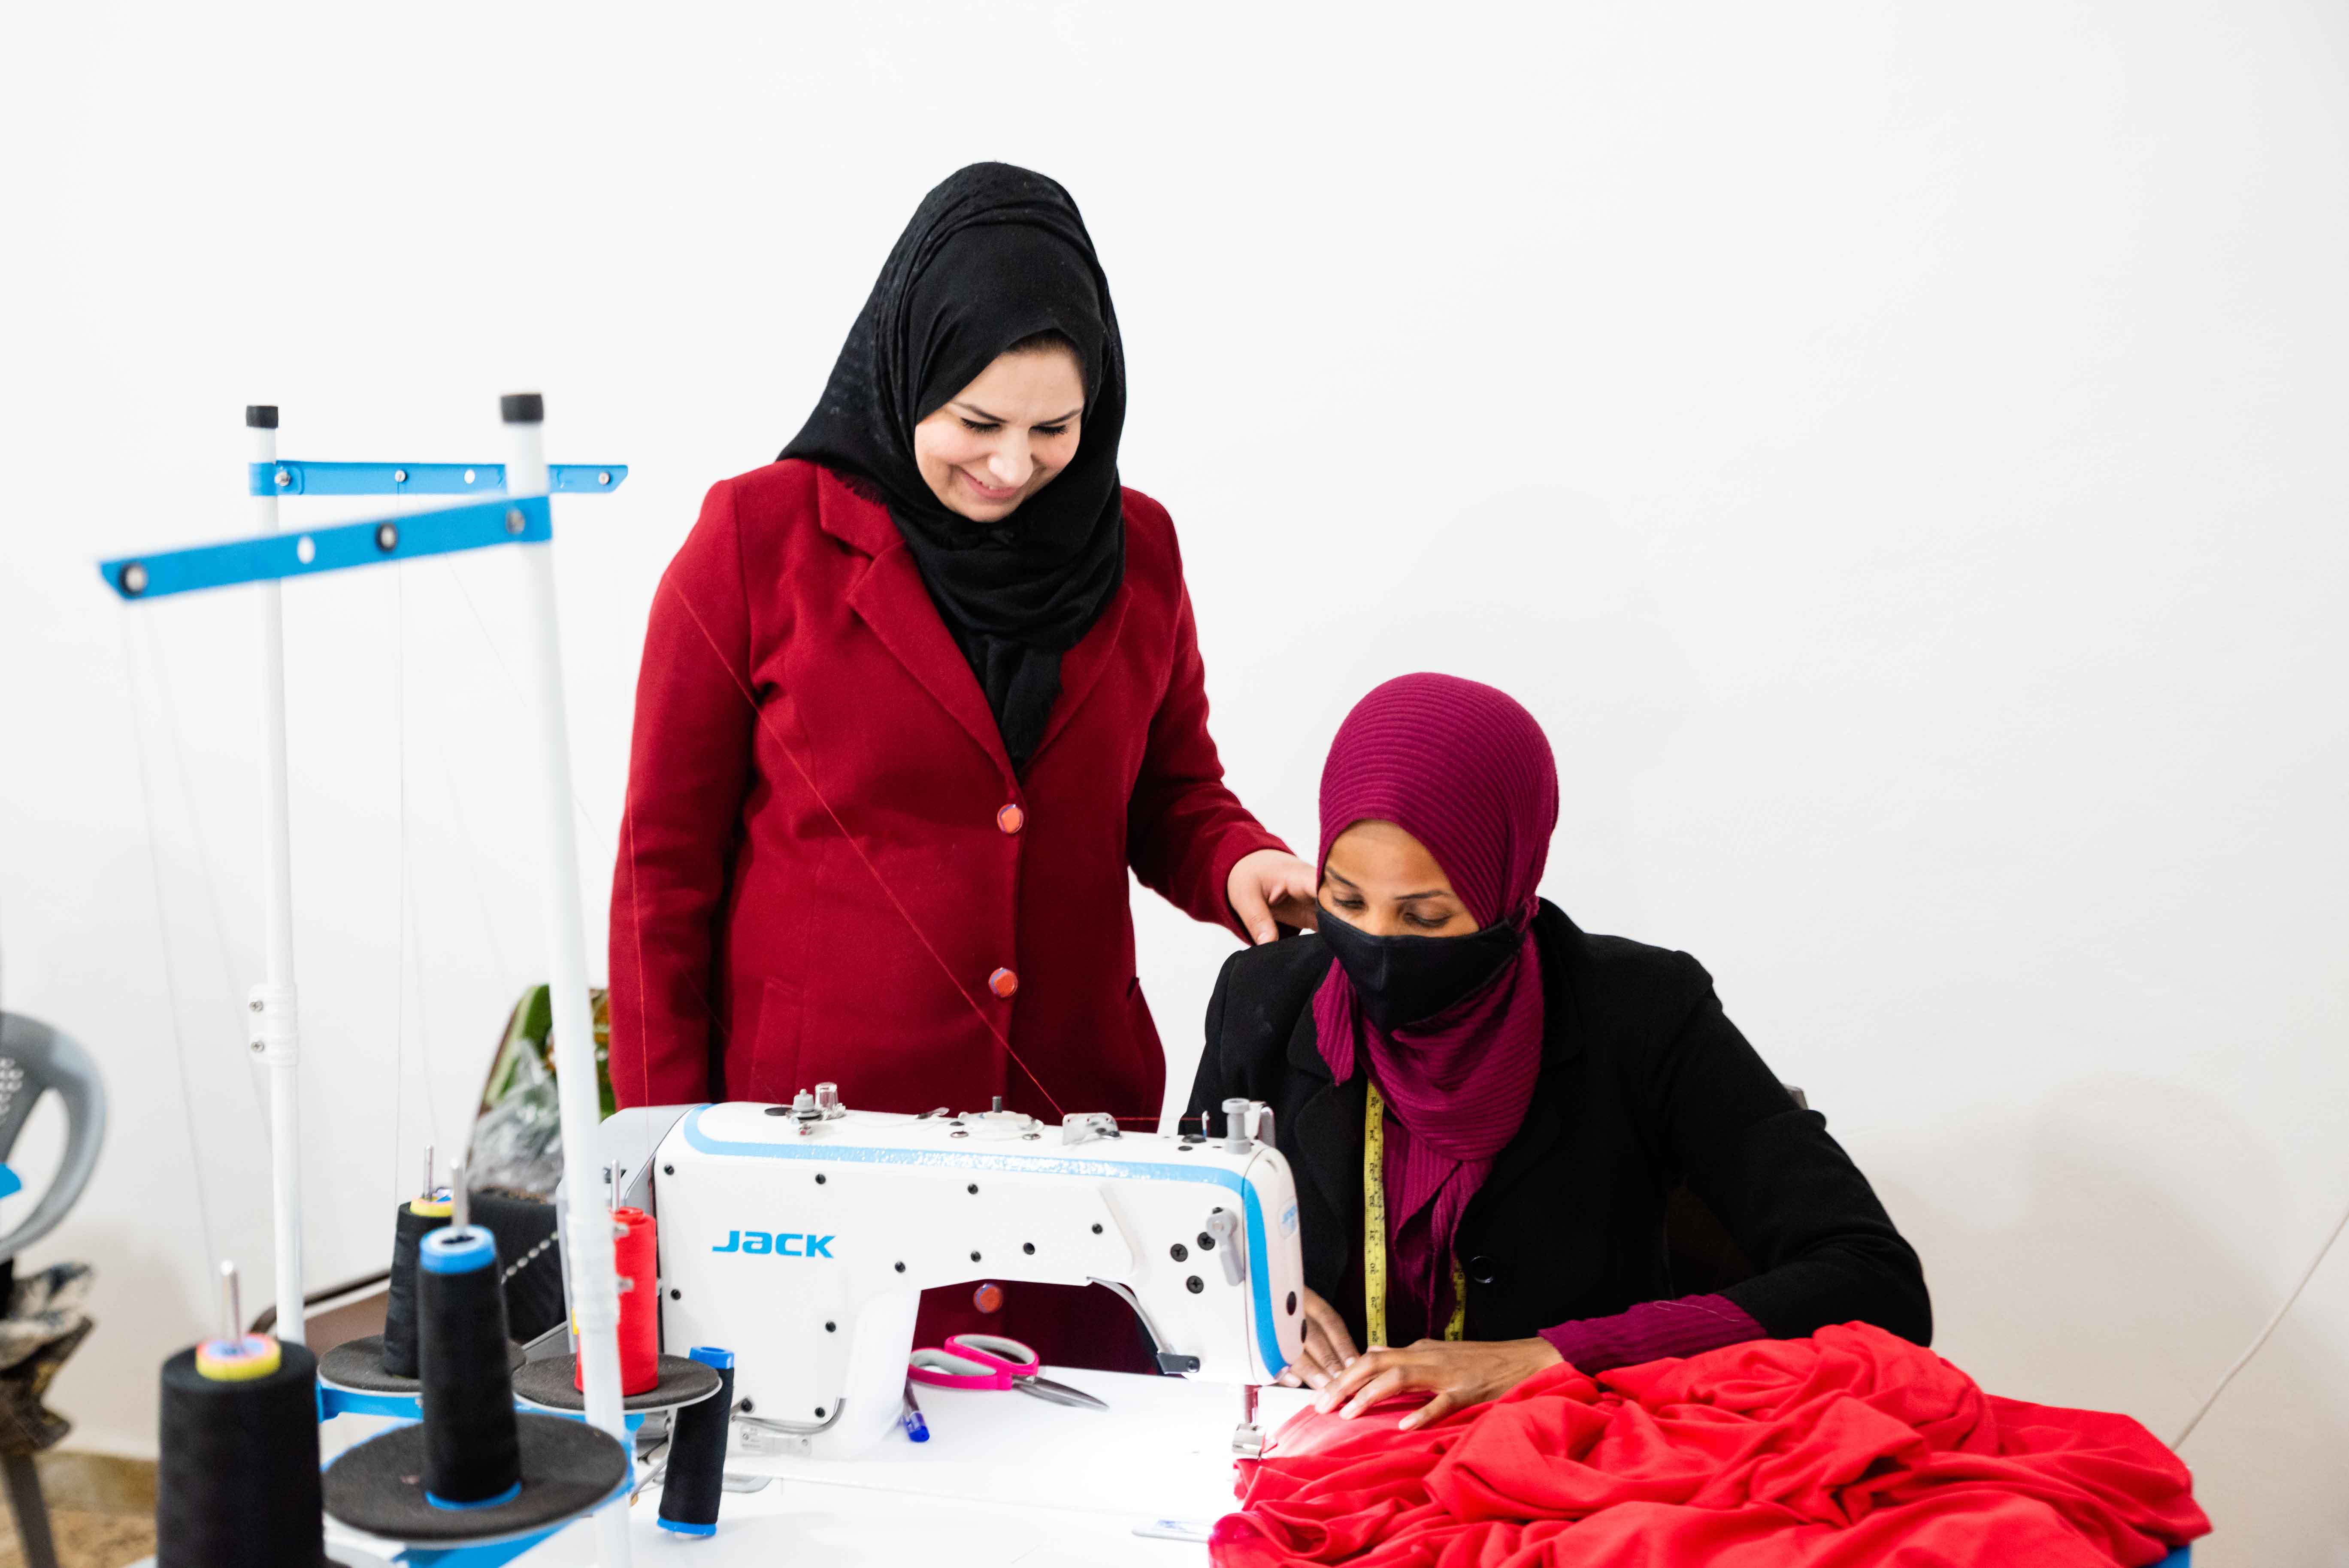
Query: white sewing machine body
[801, 1239]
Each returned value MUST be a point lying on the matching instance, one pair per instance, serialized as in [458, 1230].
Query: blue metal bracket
[518, 520]
[338, 1401]
[334, 1401]
[290, 478]
[496, 1554]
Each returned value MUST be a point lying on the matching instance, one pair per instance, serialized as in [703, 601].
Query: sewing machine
[801, 1237]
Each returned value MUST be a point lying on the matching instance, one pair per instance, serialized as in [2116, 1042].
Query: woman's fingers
[1363, 1370]
[1292, 896]
[1325, 1324]
[1315, 1366]
[1435, 1410]
[1389, 1381]
[1270, 881]
[1456, 1375]
[1297, 910]
[1247, 898]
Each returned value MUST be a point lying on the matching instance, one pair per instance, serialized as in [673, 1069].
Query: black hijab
[993, 255]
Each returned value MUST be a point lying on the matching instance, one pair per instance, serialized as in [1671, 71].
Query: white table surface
[1005, 1479]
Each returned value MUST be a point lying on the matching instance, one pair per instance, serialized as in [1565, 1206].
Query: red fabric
[745, 928]
[1464, 768]
[1849, 1448]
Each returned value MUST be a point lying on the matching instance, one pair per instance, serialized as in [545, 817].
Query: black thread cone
[695, 1482]
[409, 1231]
[237, 1486]
[471, 1451]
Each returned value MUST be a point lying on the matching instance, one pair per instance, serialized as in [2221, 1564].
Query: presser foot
[1247, 1437]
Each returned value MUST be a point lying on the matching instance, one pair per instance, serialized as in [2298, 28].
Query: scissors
[991, 1361]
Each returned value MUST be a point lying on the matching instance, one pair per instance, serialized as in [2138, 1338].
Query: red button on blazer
[798, 680]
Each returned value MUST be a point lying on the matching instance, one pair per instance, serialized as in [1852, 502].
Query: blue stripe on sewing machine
[523, 520]
[291, 478]
[1260, 1285]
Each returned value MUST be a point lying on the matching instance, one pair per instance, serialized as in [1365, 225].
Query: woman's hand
[1459, 1373]
[1329, 1348]
[1272, 886]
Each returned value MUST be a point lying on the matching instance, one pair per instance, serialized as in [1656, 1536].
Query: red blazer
[827, 869]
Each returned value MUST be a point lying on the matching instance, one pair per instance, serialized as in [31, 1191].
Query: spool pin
[236, 1357]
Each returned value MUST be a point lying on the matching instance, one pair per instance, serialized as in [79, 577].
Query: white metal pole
[275, 1032]
[596, 1299]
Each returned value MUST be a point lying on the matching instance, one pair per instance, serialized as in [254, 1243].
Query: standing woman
[914, 698]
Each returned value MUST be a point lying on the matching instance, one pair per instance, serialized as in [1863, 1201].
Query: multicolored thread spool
[237, 1485]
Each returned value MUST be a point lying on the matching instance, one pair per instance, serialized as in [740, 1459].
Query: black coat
[1645, 1084]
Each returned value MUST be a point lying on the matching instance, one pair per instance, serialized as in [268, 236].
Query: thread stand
[220, 1487]
[474, 1470]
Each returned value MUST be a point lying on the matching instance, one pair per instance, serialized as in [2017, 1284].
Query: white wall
[1896, 450]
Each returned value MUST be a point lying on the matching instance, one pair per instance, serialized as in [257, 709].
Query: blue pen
[910, 1417]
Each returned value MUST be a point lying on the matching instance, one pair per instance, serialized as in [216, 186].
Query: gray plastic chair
[34, 1060]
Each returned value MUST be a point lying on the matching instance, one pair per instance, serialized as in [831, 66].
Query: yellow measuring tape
[1374, 1231]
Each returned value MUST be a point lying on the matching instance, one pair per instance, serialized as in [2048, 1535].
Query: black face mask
[1405, 980]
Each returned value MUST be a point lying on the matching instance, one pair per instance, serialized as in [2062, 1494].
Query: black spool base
[547, 1384]
[357, 1365]
[567, 1467]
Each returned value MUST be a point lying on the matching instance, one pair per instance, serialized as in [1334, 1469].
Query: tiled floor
[90, 1540]
[101, 1511]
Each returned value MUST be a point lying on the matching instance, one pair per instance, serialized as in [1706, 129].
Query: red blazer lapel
[889, 597]
[1081, 666]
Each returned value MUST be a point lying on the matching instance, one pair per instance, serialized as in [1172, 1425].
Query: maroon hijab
[1465, 770]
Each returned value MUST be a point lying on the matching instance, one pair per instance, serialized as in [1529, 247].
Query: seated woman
[1485, 1107]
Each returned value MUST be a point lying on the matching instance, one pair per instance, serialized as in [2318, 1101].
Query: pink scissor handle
[996, 1350]
[945, 1369]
